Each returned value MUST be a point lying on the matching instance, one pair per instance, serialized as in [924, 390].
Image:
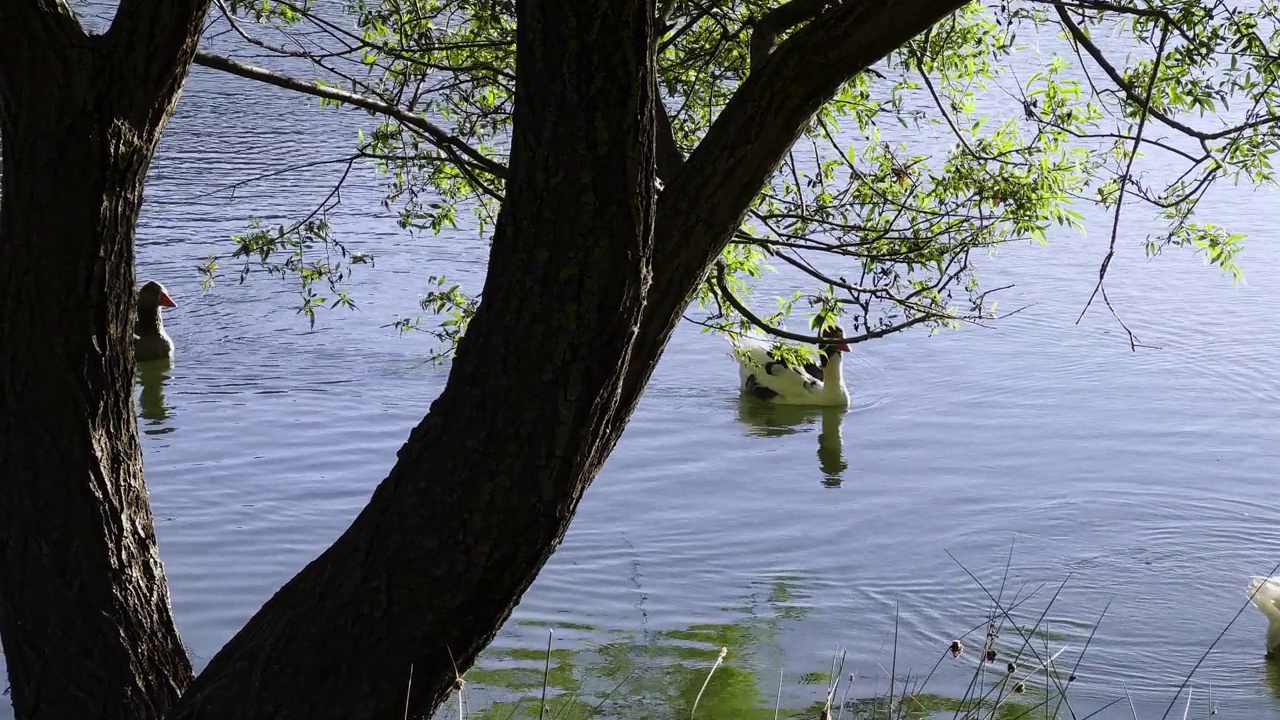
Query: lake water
[1147, 478]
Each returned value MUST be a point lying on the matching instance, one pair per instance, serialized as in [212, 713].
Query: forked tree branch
[764, 34]
[34, 32]
[151, 43]
[669, 159]
[23, 17]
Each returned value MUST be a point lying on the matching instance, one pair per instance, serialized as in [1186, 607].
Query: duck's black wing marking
[814, 371]
[759, 391]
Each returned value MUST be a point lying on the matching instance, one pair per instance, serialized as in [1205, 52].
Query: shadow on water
[768, 420]
[152, 377]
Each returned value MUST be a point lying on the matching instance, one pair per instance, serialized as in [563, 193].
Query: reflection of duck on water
[771, 420]
[152, 376]
[1271, 675]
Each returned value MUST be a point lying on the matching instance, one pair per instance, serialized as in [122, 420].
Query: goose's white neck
[148, 322]
[833, 378]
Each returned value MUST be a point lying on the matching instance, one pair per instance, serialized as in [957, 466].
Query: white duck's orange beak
[167, 301]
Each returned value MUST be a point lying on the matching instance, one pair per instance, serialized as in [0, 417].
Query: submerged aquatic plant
[1009, 665]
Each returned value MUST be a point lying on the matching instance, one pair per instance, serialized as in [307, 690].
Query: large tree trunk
[551, 366]
[486, 484]
[85, 605]
[588, 275]
[84, 608]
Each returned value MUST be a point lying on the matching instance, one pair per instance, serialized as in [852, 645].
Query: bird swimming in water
[150, 341]
[1265, 595]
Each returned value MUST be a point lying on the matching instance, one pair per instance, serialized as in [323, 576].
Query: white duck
[150, 341]
[766, 378]
[1265, 594]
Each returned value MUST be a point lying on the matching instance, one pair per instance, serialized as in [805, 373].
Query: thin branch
[1124, 180]
[1147, 12]
[675, 36]
[1159, 144]
[435, 134]
[234, 24]
[348, 159]
[754, 319]
[1132, 95]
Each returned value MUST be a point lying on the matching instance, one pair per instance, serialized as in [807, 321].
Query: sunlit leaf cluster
[1001, 123]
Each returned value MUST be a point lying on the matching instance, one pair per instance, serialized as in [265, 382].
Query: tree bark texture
[84, 607]
[485, 486]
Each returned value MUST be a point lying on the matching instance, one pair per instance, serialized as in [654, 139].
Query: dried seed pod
[990, 655]
[1012, 668]
[956, 648]
[1019, 688]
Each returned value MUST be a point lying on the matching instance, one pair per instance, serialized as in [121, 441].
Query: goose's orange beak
[167, 301]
